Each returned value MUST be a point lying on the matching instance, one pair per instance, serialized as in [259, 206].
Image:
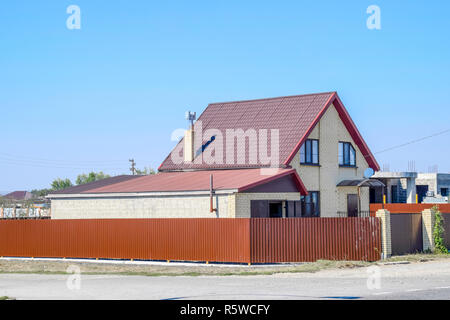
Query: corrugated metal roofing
[293, 116]
[95, 184]
[190, 181]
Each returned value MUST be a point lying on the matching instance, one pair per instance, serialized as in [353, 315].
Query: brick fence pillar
[385, 217]
[427, 229]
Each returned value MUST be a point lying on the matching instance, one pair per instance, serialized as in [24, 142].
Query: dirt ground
[192, 269]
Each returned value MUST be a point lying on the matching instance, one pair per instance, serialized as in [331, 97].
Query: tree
[60, 184]
[145, 171]
[40, 193]
[438, 232]
[90, 177]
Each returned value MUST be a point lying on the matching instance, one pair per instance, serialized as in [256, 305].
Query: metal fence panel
[222, 240]
[310, 239]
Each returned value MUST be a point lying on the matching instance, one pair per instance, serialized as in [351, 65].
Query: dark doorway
[275, 210]
[376, 195]
[266, 209]
[394, 194]
[352, 205]
[421, 192]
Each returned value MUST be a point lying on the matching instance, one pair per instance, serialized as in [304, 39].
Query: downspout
[359, 201]
[211, 192]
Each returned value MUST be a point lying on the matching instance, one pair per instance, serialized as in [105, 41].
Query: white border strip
[140, 194]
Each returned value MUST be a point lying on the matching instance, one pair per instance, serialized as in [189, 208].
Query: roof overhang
[170, 184]
[361, 183]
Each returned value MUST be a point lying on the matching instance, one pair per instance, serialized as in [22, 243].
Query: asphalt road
[427, 280]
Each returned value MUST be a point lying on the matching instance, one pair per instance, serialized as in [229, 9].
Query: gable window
[310, 204]
[309, 152]
[347, 154]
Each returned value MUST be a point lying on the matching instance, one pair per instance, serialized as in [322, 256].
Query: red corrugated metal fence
[215, 240]
[408, 207]
[310, 239]
[147, 239]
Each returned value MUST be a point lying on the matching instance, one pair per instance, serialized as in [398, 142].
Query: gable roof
[294, 116]
[240, 180]
[19, 195]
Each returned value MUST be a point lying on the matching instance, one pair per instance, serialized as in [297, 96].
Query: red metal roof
[242, 179]
[95, 184]
[294, 116]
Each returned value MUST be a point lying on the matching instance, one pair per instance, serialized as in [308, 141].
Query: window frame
[348, 151]
[308, 145]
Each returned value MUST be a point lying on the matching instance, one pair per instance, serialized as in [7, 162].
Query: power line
[413, 141]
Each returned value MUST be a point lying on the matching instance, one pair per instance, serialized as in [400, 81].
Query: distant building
[438, 183]
[19, 195]
[402, 187]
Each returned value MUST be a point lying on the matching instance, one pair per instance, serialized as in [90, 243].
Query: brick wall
[330, 131]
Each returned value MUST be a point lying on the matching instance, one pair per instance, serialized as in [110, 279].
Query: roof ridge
[273, 98]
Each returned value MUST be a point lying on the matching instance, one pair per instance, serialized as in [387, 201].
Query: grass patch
[58, 267]
[418, 257]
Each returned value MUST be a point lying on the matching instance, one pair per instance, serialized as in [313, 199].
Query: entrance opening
[275, 210]
[421, 192]
[352, 205]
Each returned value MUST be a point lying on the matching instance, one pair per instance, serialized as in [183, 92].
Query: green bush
[438, 232]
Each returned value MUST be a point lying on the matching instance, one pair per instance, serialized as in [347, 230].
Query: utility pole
[133, 166]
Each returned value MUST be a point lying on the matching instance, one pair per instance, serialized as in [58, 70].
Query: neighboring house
[315, 168]
[402, 187]
[19, 195]
[438, 183]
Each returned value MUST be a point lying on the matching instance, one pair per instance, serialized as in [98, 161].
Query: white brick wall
[330, 130]
[143, 207]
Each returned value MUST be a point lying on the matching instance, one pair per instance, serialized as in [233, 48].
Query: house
[402, 187]
[293, 156]
[19, 195]
[438, 183]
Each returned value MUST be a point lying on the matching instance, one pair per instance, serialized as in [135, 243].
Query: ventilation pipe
[189, 138]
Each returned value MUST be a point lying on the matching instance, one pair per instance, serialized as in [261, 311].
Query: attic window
[309, 152]
[205, 145]
[347, 155]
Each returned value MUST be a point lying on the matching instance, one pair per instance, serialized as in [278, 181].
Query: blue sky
[72, 101]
